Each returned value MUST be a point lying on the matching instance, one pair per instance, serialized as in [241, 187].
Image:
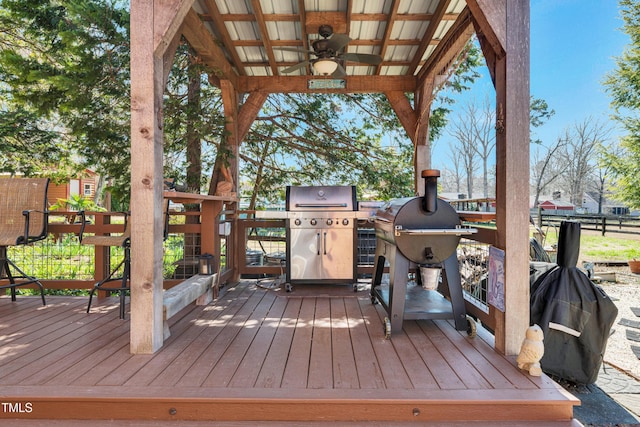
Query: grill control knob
[313, 222]
[345, 221]
[297, 221]
[329, 221]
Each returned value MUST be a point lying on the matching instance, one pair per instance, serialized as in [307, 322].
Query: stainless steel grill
[412, 233]
[321, 234]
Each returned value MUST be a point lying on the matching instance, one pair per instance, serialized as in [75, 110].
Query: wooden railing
[245, 247]
[601, 223]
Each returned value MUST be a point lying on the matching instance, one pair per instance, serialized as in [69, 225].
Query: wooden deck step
[231, 404]
[120, 423]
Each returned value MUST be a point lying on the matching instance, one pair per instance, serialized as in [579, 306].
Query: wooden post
[422, 155]
[503, 30]
[147, 77]
[512, 188]
[231, 106]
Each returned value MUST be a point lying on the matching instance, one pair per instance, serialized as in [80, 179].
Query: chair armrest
[27, 214]
[83, 222]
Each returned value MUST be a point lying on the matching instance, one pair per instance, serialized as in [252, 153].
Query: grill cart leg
[452, 274]
[398, 272]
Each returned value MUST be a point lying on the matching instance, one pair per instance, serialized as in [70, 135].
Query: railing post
[604, 225]
[101, 255]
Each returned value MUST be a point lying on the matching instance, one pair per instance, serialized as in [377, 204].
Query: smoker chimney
[430, 198]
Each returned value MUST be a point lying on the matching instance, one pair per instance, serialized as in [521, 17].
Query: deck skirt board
[257, 354]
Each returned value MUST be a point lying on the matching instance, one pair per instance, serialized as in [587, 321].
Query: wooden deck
[316, 354]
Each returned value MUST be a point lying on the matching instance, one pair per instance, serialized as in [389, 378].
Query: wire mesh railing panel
[473, 260]
[59, 256]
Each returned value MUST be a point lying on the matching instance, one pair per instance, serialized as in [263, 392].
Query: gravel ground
[625, 293]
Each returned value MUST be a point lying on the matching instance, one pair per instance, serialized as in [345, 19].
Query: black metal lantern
[206, 264]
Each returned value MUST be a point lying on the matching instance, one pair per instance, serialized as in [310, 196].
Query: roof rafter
[224, 34]
[264, 32]
[203, 43]
[428, 35]
[387, 32]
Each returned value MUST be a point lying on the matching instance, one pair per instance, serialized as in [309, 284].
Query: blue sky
[573, 46]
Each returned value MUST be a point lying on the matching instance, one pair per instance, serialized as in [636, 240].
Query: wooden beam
[387, 31]
[218, 21]
[248, 17]
[168, 57]
[428, 35]
[167, 19]
[230, 101]
[423, 97]
[264, 32]
[202, 42]
[490, 17]
[405, 112]
[444, 55]
[146, 335]
[338, 20]
[249, 111]
[230, 105]
[490, 22]
[299, 84]
[512, 176]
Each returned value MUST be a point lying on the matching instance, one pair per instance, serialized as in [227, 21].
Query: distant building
[557, 206]
[83, 185]
[609, 207]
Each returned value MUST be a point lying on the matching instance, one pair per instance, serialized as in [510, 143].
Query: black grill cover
[575, 315]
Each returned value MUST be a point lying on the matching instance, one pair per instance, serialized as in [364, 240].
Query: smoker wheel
[471, 327]
[387, 328]
[374, 300]
[288, 287]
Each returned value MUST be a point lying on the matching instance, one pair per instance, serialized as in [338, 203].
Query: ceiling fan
[329, 58]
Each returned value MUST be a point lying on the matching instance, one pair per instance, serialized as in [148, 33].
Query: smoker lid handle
[438, 231]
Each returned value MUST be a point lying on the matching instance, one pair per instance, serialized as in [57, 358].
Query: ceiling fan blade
[295, 67]
[339, 72]
[293, 49]
[338, 41]
[364, 58]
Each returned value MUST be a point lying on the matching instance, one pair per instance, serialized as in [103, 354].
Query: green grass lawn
[594, 247]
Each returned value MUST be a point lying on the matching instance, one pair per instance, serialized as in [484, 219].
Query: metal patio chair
[23, 220]
[122, 240]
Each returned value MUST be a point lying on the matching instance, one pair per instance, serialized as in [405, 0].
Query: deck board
[287, 356]
[275, 361]
[366, 364]
[297, 369]
[320, 361]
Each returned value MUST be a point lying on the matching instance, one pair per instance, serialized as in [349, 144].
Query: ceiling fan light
[325, 66]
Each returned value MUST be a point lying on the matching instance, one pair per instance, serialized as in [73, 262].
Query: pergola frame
[502, 27]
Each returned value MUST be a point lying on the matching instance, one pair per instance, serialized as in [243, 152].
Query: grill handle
[321, 205]
[325, 243]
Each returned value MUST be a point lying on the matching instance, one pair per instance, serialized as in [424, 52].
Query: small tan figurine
[531, 351]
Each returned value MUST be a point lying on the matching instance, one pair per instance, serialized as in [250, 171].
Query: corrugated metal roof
[279, 35]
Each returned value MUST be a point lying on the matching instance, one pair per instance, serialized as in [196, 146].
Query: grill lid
[321, 198]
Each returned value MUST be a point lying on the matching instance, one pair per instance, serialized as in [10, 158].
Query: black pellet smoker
[412, 234]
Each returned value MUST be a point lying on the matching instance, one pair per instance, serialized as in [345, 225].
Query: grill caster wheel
[374, 300]
[288, 287]
[471, 327]
[387, 328]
